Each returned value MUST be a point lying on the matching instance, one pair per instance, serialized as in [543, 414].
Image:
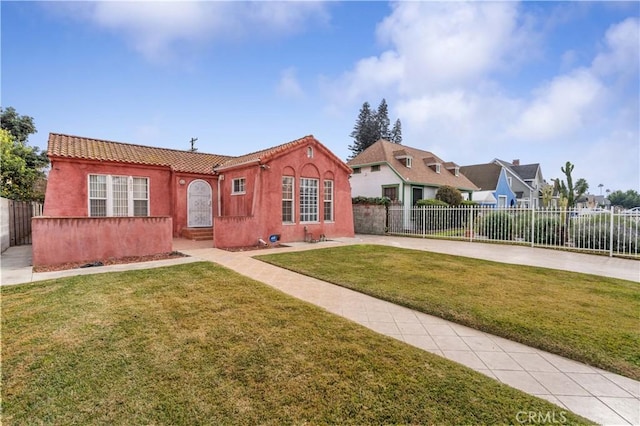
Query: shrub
[435, 215]
[495, 225]
[548, 230]
[432, 202]
[449, 195]
[594, 232]
[385, 201]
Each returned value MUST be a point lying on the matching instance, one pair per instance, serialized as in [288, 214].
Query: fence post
[611, 235]
[472, 214]
[533, 226]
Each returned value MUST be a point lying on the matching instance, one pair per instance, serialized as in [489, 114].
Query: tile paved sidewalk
[603, 397]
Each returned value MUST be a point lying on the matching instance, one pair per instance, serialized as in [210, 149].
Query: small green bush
[431, 202]
[495, 225]
[449, 195]
[594, 232]
[384, 201]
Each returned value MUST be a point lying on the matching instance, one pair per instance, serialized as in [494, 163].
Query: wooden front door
[199, 205]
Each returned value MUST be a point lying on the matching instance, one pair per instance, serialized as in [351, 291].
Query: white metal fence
[601, 231]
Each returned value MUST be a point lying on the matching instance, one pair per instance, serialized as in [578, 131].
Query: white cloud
[154, 28]
[621, 54]
[559, 108]
[288, 86]
[442, 66]
[436, 46]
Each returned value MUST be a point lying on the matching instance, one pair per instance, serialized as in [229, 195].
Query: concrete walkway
[603, 397]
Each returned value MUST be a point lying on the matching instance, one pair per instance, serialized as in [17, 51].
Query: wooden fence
[20, 214]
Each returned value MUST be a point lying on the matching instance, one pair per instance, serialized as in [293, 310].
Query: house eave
[235, 166]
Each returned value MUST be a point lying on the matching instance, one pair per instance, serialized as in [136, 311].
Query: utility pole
[193, 142]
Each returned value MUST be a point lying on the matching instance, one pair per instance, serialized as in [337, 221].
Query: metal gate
[199, 204]
[20, 214]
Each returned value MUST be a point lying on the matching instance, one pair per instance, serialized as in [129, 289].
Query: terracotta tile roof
[485, 176]
[67, 146]
[383, 152]
[267, 154]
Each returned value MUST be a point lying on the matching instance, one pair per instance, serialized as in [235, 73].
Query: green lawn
[584, 317]
[200, 344]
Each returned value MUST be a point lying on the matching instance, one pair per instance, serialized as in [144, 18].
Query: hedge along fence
[610, 233]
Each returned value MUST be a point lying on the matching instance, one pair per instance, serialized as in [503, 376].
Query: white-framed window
[456, 171]
[287, 199]
[140, 196]
[502, 201]
[308, 200]
[509, 181]
[438, 168]
[238, 186]
[408, 162]
[328, 200]
[118, 196]
[391, 192]
[309, 152]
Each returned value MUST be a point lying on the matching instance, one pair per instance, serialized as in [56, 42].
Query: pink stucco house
[110, 199]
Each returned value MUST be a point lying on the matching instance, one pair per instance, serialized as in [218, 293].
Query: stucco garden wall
[58, 240]
[369, 219]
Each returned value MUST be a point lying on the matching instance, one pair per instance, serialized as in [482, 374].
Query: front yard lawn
[200, 344]
[584, 317]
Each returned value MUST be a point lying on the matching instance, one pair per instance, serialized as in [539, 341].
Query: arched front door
[199, 206]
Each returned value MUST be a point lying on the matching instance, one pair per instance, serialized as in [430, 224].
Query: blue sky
[543, 82]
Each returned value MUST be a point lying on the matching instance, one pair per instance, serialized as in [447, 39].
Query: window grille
[308, 200]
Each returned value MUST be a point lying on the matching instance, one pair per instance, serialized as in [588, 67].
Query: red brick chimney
[516, 162]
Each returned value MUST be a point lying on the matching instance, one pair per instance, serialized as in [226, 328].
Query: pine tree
[365, 131]
[371, 126]
[382, 120]
[396, 132]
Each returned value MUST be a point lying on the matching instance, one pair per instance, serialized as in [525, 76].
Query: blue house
[494, 186]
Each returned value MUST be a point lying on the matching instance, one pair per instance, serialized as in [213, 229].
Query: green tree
[568, 191]
[627, 200]
[396, 132]
[371, 126]
[20, 126]
[364, 132]
[22, 171]
[547, 195]
[382, 120]
[449, 195]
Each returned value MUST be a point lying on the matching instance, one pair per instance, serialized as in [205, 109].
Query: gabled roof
[76, 147]
[420, 173]
[485, 176]
[524, 171]
[509, 167]
[527, 171]
[265, 155]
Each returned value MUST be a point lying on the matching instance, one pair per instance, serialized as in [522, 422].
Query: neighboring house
[494, 187]
[405, 174]
[526, 181]
[590, 201]
[295, 191]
